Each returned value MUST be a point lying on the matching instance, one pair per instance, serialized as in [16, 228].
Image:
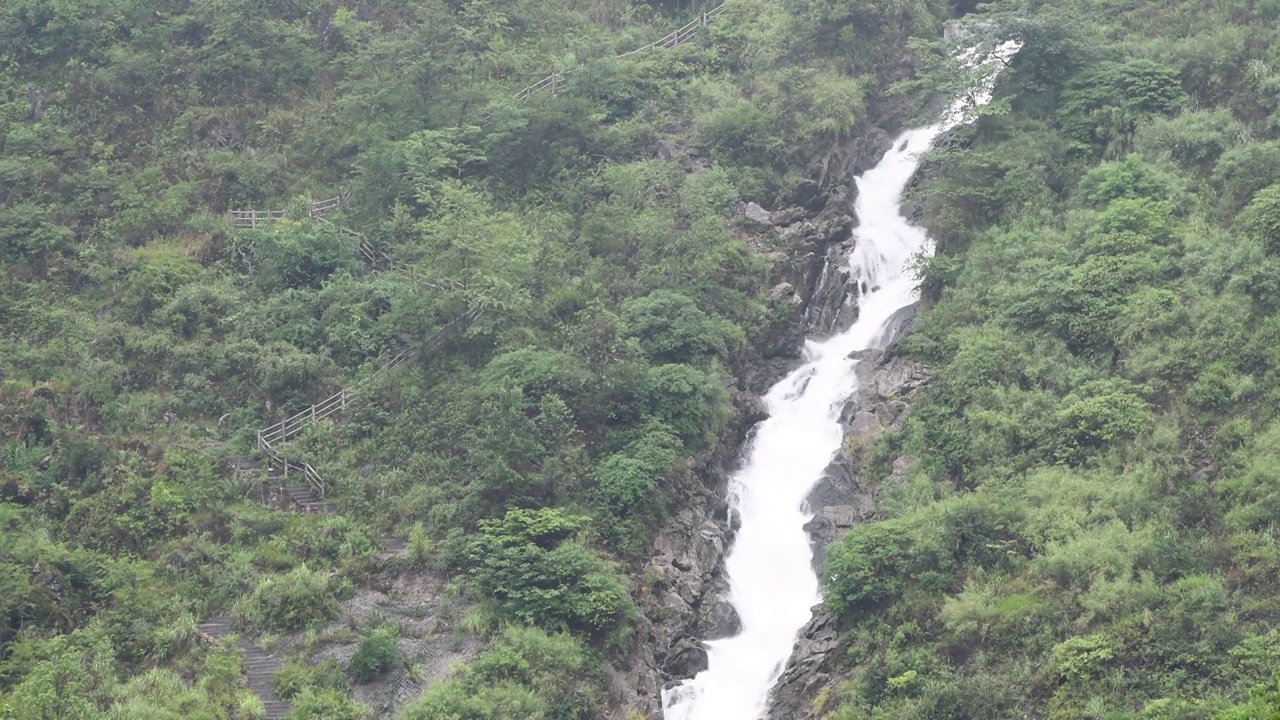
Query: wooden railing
[555, 82]
[270, 437]
[379, 260]
[254, 218]
[316, 210]
[680, 35]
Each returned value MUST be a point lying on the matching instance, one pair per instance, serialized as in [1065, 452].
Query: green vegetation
[378, 652]
[1088, 530]
[531, 453]
[525, 674]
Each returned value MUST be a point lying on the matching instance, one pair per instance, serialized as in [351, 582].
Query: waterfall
[771, 582]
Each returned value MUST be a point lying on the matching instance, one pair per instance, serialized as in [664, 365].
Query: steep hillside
[1083, 522]
[561, 275]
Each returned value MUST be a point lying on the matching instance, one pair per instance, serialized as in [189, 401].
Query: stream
[772, 584]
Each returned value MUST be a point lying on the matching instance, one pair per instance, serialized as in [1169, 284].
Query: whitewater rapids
[771, 580]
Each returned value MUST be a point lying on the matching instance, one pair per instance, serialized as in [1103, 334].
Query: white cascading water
[771, 582]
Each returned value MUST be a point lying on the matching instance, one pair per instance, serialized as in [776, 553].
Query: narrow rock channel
[772, 584]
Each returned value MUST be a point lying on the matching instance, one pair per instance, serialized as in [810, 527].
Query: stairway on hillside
[259, 667]
[303, 497]
[273, 487]
[270, 486]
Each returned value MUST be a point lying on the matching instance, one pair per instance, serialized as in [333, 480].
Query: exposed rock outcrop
[846, 497]
[843, 497]
[758, 215]
[683, 586]
[795, 241]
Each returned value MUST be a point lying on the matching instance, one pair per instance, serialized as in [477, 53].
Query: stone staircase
[304, 497]
[259, 667]
[274, 487]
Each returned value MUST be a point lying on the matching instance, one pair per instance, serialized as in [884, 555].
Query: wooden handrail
[285, 429]
[378, 259]
[315, 210]
[555, 81]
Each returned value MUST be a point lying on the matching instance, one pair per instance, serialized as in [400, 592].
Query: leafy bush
[1127, 178]
[535, 571]
[291, 680]
[877, 565]
[419, 546]
[1261, 219]
[539, 372]
[291, 255]
[378, 652]
[691, 402]
[625, 480]
[291, 601]
[672, 329]
[526, 673]
[1102, 412]
[325, 705]
[739, 133]
[1243, 171]
[1195, 139]
[1102, 105]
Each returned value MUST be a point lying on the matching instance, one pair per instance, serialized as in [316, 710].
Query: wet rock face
[683, 585]
[887, 385]
[681, 605]
[834, 306]
[682, 597]
[799, 243]
[842, 498]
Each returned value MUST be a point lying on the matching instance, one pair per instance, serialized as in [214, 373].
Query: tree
[72, 676]
[530, 563]
[691, 402]
[1261, 218]
[1102, 104]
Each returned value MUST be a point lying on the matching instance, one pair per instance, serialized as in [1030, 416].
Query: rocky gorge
[683, 587]
[846, 496]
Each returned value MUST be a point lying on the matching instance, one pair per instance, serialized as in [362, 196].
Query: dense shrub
[291, 680]
[536, 570]
[691, 402]
[291, 601]
[325, 705]
[1243, 171]
[377, 653]
[1102, 105]
[526, 673]
[1261, 219]
[672, 329]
